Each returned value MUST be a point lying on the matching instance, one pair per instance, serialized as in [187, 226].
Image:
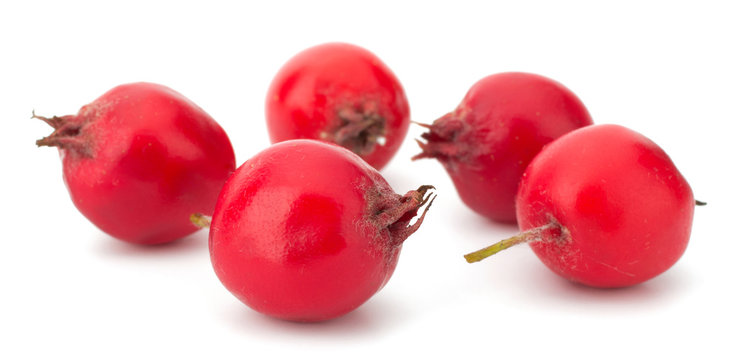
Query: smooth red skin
[309, 90]
[626, 209]
[510, 117]
[291, 236]
[156, 158]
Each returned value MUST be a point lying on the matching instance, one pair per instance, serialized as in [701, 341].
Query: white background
[669, 70]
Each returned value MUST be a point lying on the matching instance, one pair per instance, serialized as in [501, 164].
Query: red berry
[139, 159]
[501, 124]
[339, 93]
[603, 206]
[307, 231]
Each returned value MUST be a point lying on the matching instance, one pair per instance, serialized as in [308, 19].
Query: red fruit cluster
[308, 230]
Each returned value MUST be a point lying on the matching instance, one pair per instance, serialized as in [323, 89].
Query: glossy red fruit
[603, 206]
[502, 123]
[343, 94]
[307, 231]
[140, 159]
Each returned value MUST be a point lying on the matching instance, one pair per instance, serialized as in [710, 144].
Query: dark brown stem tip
[62, 142]
[361, 130]
[700, 203]
[54, 121]
[426, 126]
[45, 142]
[423, 154]
[424, 188]
[431, 199]
[422, 199]
[403, 232]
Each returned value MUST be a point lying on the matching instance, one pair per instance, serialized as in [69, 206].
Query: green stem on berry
[533, 234]
[700, 203]
[199, 220]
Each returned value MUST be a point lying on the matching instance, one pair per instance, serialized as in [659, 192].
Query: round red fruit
[140, 159]
[307, 231]
[604, 206]
[343, 94]
[486, 143]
